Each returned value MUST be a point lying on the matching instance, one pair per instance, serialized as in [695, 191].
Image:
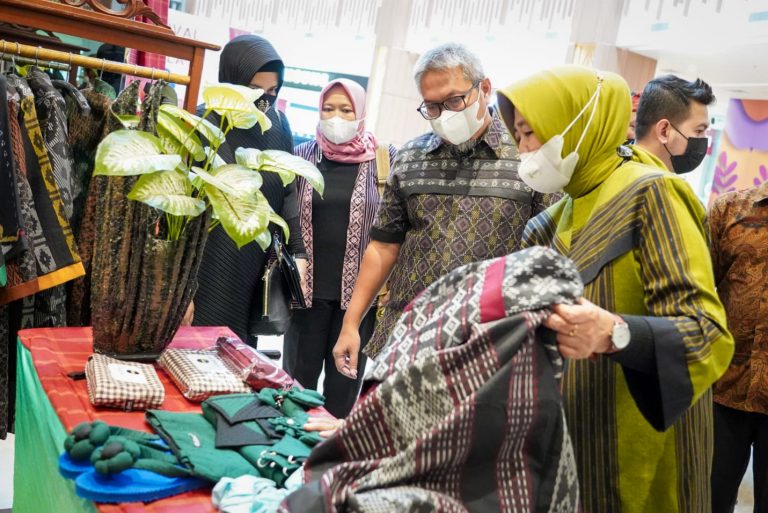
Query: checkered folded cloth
[200, 374]
[121, 384]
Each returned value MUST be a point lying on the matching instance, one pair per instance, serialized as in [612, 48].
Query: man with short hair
[738, 223]
[672, 121]
[453, 197]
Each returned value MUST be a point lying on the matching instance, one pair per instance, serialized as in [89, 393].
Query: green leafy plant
[181, 177]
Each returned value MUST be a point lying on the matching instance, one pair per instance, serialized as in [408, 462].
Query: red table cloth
[58, 351]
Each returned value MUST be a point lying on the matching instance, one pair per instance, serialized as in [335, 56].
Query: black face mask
[266, 102]
[694, 153]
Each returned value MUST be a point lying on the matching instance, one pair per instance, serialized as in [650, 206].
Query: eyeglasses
[453, 104]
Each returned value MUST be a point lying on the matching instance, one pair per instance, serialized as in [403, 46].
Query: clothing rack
[112, 27]
[12, 49]
[41, 63]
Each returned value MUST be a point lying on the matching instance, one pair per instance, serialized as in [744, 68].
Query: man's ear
[485, 87]
[662, 128]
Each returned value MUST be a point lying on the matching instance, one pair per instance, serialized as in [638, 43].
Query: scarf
[550, 100]
[362, 147]
[462, 410]
[244, 56]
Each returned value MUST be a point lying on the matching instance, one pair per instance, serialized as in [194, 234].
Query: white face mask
[545, 170]
[458, 127]
[338, 130]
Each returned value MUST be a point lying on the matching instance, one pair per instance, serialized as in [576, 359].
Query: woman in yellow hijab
[649, 338]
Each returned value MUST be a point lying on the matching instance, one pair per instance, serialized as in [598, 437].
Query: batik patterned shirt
[738, 223]
[449, 206]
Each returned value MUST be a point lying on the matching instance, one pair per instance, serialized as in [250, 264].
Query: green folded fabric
[192, 439]
[279, 461]
[294, 402]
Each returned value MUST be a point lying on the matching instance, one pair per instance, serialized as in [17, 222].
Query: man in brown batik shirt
[739, 225]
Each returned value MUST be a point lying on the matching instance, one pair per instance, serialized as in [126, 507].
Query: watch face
[620, 336]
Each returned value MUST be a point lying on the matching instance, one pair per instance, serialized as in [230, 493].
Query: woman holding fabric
[230, 278]
[335, 233]
[649, 338]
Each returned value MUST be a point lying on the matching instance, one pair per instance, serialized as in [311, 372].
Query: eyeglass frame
[443, 107]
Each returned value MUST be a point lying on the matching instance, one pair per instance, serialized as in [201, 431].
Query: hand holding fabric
[583, 329]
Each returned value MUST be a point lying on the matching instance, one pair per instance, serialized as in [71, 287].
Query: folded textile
[250, 494]
[239, 420]
[192, 439]
[252, 367]
[120, 384]
[200, 374]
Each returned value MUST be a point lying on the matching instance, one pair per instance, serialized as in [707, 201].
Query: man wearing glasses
[453, 197]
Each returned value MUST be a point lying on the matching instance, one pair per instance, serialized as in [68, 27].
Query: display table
[49, 404]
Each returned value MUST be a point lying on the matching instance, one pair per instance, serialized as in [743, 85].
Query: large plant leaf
[264, 240]
[204, 127]
[257, 159]
[184, 134]
[169, 191]
[286, 165]
[129, 121]
[131, 152]
[244, 218]
[170, 144]
[232, 179]
[279, 221]
[236, 104]
[281, 160]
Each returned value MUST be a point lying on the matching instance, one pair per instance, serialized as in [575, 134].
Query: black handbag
[281, 284]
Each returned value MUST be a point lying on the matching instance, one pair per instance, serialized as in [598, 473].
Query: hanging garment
[76, 106]
[86, 131]
[10, 223]
[462, 410]
[50, 108]
[52, 239]
[23, 267]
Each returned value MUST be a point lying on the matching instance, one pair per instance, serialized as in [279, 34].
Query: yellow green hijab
[551, 99]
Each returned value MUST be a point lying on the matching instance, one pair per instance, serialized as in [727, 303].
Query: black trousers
[737, 435]
[308, 345]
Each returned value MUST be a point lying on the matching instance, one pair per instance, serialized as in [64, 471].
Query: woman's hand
[583, 329]
[303, 264]
[327, 427]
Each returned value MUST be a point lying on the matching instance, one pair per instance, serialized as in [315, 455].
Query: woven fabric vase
[141, 286]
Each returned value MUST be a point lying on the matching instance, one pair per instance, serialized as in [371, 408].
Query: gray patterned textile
[52, 116]
[462, 411]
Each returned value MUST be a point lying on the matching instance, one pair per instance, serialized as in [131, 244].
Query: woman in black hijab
[229, 280]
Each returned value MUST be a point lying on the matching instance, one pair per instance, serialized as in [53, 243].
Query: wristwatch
[620, 335]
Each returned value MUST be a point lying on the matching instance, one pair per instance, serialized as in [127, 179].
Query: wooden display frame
[112, 29]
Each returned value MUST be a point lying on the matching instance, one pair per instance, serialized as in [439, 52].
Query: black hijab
[246, 55]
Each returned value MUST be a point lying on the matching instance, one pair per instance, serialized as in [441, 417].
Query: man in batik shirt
[738, 222]
[453, 197]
